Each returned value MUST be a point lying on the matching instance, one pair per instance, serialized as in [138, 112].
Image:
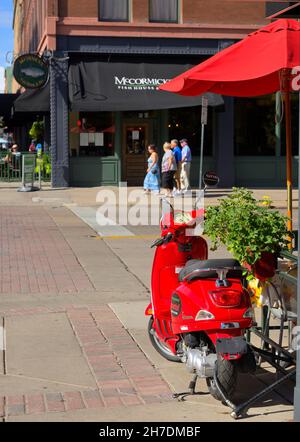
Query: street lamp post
[204, 115]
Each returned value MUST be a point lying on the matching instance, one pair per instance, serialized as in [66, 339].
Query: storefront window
[113, 10]
[255, 126]
[95, 134]
[186, 123]
[136, 139]
[163, 11]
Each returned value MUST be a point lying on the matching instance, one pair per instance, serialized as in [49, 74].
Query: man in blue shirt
[177, 154]
[186, 165]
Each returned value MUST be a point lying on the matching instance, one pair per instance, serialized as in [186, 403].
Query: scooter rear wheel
[159, 345]
[227, 377]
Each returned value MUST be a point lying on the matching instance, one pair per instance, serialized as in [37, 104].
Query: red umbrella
[260, 64]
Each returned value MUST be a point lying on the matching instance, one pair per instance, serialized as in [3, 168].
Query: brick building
[103, 112]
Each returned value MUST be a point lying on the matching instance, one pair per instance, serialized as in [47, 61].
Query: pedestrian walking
[185, 166]
[178, 157]
[169, 168]
[152, 179]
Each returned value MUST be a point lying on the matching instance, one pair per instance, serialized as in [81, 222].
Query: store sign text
[125, 83]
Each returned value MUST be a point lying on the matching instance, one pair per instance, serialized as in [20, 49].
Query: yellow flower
[255, 290]
[266, 201]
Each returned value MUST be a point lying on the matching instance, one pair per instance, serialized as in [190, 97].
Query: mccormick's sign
[101, 86]
[30, 71]
[126, 83]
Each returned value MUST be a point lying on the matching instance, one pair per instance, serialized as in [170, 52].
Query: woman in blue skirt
[152, 179]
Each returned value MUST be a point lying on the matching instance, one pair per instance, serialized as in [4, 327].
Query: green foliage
[246, 228]
[37, 131]
[43, 162]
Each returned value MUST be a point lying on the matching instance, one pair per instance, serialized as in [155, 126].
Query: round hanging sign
[211, 179]
[30, 71]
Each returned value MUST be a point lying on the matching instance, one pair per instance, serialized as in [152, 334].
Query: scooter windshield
[177, 218]
[182, 217]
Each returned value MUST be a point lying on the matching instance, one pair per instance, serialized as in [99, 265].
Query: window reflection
[255, 126]
[113, 10]
[163, 11]
[186, 123]
[95, 134]
[135, 140]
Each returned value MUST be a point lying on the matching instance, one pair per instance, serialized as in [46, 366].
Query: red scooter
[200, 309]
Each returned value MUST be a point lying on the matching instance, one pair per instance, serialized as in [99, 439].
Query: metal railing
[11, 167]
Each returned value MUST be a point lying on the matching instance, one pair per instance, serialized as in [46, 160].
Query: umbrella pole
[297, 336]
[288, 127]
[201, 156]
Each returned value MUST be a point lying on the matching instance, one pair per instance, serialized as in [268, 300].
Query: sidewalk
[72, 306]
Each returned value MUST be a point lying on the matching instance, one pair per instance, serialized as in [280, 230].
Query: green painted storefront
[244, 143]
[89, 171]
[241, 170]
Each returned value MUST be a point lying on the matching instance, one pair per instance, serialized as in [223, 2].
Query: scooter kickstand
[192, 386]
[192, 390]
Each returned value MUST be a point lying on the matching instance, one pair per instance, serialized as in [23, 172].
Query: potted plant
[253, 233]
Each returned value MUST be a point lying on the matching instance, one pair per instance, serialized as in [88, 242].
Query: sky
[6, 35]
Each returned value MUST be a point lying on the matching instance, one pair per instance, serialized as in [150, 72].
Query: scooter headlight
[204, 315]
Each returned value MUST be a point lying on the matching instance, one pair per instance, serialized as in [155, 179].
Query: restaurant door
[136, 138]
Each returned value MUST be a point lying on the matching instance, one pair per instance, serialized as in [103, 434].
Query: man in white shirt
[186, 165]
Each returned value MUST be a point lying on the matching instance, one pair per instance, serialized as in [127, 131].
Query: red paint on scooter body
[173, 319]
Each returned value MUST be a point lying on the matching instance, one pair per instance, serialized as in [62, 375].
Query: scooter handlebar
[164, 240]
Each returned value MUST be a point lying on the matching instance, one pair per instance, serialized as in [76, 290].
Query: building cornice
[75, 26]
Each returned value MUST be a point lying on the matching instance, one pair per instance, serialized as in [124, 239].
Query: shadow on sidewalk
[283, 395]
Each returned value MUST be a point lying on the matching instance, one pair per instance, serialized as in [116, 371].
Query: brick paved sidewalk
[122, 373]
[35, 257]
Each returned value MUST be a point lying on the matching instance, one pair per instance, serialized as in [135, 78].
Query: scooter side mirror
[167, 210]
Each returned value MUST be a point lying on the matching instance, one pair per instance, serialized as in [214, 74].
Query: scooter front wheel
[227, 377]
[159, 345]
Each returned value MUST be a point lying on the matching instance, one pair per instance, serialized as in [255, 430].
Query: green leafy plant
[43, 162]
[37, 131]
[246, 228]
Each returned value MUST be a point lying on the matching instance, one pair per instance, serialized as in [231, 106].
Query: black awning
[34, 100]
[6, 103]
[123, 86]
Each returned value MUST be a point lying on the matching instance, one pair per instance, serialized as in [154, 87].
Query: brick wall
[140, 10]
[223, 12]
[75, 8]
[194, 11]
[30, 24]
[40, 17]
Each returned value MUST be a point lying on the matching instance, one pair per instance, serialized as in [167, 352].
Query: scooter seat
[195, 264]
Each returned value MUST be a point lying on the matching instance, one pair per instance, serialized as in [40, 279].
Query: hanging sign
[211, 179]
[204, 114]
[30, 71]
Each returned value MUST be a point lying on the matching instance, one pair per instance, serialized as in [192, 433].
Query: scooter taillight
[226, 298]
